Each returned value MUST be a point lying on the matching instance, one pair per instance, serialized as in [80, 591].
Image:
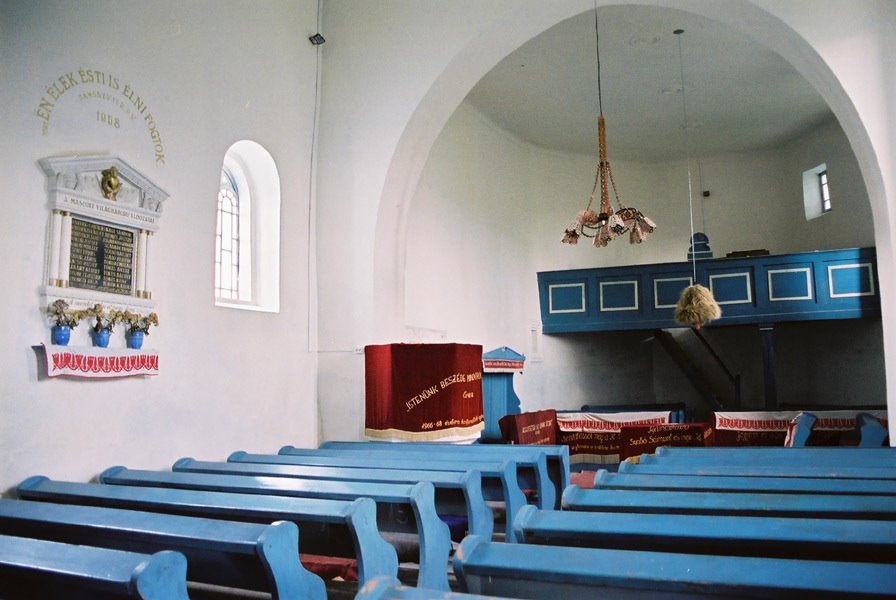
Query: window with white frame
[247, 236]
[816, 192]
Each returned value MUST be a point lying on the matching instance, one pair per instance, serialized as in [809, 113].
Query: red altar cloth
[769, 428]
[423, 392]
[595, 438]
[645, 439]
[538, 427]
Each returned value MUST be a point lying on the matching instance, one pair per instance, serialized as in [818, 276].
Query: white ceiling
[739, 96]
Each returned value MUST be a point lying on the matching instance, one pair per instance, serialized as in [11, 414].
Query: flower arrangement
[137, 322]
[62, 315]
[103, 320]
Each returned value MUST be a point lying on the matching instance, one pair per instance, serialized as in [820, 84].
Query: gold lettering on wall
[95, 86]
[102, 257]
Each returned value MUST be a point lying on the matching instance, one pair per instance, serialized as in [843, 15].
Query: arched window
[247, 239]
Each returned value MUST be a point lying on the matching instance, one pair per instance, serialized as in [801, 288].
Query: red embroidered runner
[99, 363]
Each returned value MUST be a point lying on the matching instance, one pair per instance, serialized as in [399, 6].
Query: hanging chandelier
[606, 225]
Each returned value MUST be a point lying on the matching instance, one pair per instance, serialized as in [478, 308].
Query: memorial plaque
[102, 257]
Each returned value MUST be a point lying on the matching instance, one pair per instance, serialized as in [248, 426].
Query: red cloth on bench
[330, 567]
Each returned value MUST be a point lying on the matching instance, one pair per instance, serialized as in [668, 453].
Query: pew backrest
[531, 571]
[456, 493]
[499, 478]
[834, 506]
[401, 507]
[32, 568]
[532, 468]
[228, 553]
[557, 456]
[327, 527]
[763, 470]
[813, 539]
[727, 484]
[759, 455]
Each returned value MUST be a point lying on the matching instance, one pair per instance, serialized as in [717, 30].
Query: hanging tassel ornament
[697, 306]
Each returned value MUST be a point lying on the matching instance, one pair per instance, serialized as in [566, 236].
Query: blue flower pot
[60, 334]
[101, 338]
[135, 340]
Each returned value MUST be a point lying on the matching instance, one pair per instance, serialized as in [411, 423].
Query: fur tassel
[696, 307]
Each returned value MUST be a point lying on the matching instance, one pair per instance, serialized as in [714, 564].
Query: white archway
[469, 66]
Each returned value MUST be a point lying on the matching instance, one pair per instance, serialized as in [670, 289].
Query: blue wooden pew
[821, 506]
[401, 508]
[813, 539]
[557, 458]
[499, 478]
[755, 455]
[532, 470]
[871, 433]
[386, 589]
[802, 429]
[452, 489]
[532, 571]
[225, 553]
[651, 467]
[33, 569]
[726, 484]
[327, 527]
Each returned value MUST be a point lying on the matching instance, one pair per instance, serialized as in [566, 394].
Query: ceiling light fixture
[608, 223]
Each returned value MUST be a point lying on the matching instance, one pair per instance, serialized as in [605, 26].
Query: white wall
[211, 73]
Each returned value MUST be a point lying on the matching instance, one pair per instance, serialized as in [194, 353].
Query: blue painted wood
[763, 470]
[556, 457]
[227, 553]
[31, 568]
[802, 429]
[828, 284]
[327, 527]
[384, 589]
[499, 478]
[416, 503]
[456, 493]
[755, 455]
[813, 539]
[871, 433]
[724, 483]
[530, 571]
[814, 505]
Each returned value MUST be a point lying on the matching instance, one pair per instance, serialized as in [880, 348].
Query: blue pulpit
[498, 397]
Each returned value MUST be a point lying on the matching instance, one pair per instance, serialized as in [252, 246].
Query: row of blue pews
[636, 532]
[773, 536]
[337, 510]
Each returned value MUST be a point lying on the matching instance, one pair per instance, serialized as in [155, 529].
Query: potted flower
[102, 325]
[138, 327]
[64, 319]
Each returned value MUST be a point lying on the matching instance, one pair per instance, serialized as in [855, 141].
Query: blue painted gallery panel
[829, 284]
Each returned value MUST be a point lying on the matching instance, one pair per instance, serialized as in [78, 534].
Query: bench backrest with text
[401, 508]
[326, 527]
[33, 569]
[227, 553]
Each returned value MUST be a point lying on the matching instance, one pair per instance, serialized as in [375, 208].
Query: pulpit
[498, 397]
[423, 392]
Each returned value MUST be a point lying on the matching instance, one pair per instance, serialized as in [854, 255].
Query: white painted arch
[785, 29]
